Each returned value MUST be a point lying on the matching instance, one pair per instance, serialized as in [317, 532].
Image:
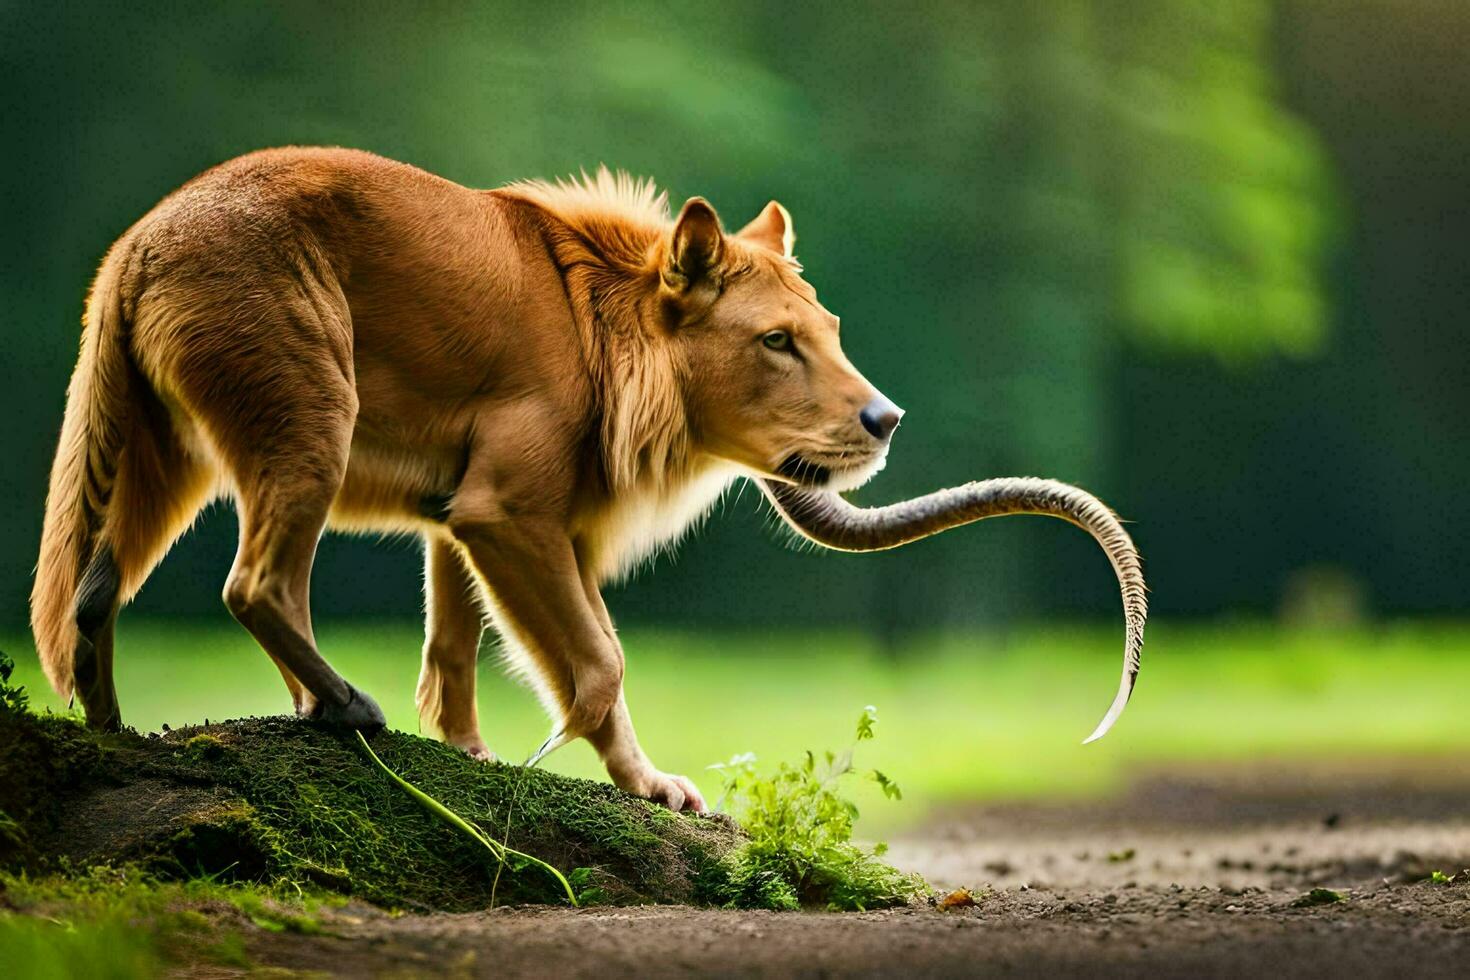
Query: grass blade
[463, 826]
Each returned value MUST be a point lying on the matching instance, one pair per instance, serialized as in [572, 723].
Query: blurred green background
[1208, 260]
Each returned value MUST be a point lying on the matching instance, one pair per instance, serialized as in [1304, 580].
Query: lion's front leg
[630, 769]
[569, 646]
[617, 743]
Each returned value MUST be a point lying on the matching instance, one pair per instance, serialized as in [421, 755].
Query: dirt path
[1281, 830]
[1181, 877]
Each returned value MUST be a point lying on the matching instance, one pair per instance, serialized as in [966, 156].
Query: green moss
[204, 748]
[88, 923]
[282, 803]
[126, 923]
[45, 948]
[224, 842]
[279, 800]
[1319, 896]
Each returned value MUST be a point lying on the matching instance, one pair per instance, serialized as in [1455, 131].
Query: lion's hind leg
[454, 623]
[272, 389]
[285, 490]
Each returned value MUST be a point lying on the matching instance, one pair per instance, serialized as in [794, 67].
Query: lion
[546, 382]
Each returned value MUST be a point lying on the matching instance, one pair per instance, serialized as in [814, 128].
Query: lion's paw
[675, 792]
[473, 746]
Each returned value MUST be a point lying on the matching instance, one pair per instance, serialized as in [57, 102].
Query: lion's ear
[771, 229]
[695, 248]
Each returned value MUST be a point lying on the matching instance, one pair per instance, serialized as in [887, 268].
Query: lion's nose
[880, 417]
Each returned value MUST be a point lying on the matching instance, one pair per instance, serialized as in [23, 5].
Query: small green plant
[1440, 878]
[12, 834]
[1319, 896]
[13, 698]
[800, 826]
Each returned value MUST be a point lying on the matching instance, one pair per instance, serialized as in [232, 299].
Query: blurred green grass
[968, 716]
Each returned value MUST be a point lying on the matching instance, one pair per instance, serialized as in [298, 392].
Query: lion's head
[767, 385]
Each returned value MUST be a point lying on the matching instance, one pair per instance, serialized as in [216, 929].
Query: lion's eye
[777, 340]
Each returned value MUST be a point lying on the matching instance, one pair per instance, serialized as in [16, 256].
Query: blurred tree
[1080, 239]
[1221, 197]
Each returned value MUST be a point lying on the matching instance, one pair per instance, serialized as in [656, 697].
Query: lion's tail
[76, 554]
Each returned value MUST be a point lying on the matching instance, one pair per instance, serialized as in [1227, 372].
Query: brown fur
[329, 337]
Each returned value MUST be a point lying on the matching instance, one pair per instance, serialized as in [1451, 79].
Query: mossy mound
[276, 799]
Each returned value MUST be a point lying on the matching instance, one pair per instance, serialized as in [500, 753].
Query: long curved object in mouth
[829, 520]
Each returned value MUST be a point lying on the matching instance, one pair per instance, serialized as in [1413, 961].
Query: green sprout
[501, 852]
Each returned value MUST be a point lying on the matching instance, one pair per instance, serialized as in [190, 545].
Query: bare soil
[1195, 875]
